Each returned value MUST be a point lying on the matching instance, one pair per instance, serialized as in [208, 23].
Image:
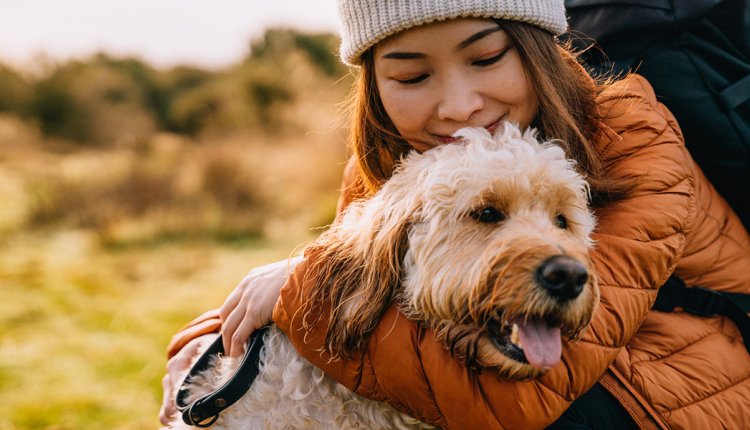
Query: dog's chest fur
[291, 393]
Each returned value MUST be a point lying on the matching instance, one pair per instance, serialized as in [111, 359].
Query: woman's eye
[488, 215]
[416, 80]
[489, 61]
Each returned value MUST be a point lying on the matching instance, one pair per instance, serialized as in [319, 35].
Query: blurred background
[151, 153]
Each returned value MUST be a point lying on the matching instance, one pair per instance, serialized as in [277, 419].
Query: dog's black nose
[563, 277]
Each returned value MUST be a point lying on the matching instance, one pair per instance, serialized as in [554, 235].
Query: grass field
[84, 327]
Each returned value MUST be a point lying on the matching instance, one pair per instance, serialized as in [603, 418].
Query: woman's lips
[491, 128]
[447, 139]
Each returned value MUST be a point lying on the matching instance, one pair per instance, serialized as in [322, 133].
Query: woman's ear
[358, 267]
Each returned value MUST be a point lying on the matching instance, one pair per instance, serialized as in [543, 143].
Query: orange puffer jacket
[669, 370]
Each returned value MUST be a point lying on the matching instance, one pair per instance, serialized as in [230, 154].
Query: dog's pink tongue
[541, 343]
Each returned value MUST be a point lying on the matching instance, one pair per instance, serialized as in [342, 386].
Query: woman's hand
[250, 305]
[177, 368]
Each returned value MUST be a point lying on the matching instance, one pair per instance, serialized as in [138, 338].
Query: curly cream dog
[485, 241]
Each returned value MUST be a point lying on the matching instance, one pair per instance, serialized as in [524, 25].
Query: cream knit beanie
[366, 22]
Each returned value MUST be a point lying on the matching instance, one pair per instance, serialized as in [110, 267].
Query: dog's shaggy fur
[485, 241]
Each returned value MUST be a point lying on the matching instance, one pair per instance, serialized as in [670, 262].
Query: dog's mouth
[529, 340]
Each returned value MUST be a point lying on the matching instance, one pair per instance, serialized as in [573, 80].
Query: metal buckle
[194, 418]
[702, 301]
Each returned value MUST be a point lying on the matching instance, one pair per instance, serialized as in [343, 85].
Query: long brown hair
[567, 112]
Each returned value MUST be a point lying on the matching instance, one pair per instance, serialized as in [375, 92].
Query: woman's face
[438, 78]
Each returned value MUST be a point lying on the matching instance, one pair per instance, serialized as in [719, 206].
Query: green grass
[84, 327]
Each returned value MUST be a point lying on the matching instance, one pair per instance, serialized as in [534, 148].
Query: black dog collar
[205, 411]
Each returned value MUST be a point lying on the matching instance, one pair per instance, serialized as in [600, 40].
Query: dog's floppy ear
[357, 267]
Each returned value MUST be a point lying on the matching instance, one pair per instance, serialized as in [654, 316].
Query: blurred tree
[192, 110]
[175, 83]
[267, 92]
[14, 91]
[320, 48]
[274, 43]
[104, 100]
[99, 101]
[56, 109]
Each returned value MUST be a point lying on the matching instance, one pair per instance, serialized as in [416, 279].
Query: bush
[14, 91]
[189, 117]
[167, 188]
[267, 94]
[104, 100]
[56, 109]
[319, 48]
[194, 110]
[97, 102]
[323, 52]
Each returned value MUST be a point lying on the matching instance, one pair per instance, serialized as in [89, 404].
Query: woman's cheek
[401, 115]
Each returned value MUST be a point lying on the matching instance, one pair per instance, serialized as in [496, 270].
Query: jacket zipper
[657, 420]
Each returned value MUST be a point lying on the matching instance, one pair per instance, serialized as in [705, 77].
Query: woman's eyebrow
[477, 36]
[403, 55]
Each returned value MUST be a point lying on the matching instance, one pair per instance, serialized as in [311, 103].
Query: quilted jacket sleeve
[639, 240]
[207, 323]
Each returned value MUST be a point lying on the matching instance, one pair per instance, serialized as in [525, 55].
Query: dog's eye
[561, 222]
[488, 215]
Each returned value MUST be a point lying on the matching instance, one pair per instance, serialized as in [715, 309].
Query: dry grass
[167, 186]
[84, 328]
[105, 252]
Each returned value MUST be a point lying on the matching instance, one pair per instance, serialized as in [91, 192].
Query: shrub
[167, 188]
[96, 102]
[188, 118]
[14, 91]
[322, 49]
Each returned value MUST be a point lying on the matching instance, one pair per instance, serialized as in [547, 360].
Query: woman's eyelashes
[484, 62]
[412, 81]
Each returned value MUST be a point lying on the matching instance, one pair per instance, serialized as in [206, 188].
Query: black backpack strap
[205, 411]
[704, 302]
[736, 94]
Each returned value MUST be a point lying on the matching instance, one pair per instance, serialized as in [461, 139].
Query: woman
[428, 69]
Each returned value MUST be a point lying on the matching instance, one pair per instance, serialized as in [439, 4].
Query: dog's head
[486, 241]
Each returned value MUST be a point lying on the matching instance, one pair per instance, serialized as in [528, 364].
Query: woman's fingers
[251, 303]
[233, 300]
[230, 303]
[249, 324]
[232, 311]
[242, 322]
[229, 327]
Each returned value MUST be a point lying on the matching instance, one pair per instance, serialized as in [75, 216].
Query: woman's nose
[459, 102]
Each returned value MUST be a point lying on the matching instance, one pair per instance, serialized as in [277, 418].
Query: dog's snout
[563, 277]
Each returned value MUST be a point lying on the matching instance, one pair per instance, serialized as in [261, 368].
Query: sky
[202, 33]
